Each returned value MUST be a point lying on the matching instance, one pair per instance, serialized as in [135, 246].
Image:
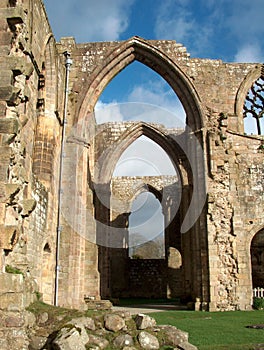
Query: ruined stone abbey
[64, 216]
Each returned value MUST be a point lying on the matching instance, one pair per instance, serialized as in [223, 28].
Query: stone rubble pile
[117, 330]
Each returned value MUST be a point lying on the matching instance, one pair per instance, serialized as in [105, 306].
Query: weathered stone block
[9, 93]
[11, 283]
[2, 193]
[114, 322]
[8, 126]
[20, 65]
[14, 321]
[144, 321]
[14, 15]
[12, 302]
[148, 341]
[28, 205]
[4, 3]
[123, 340]
[11, 190]
[8, 236]
[174, 336]
[71, 339]
[5, 39]
[6, 76]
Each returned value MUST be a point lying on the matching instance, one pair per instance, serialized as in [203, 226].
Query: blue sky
[231, 30]
[218, 29]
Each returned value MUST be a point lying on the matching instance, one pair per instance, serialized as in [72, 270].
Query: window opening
[254, 108]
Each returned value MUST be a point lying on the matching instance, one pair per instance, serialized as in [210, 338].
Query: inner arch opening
[146, 228]
[144, 157]
[138, 83]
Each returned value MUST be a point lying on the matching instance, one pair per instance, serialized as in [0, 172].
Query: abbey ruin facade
[59, 223]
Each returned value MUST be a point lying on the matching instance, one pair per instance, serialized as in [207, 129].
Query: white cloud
[245, 19]
[170, 112]
[174, 23]
[180, 22]
[146, 218]
[108, 112]
[249, 53]
[213, 25]
[152, 102]
[144, 158]
[89, 20]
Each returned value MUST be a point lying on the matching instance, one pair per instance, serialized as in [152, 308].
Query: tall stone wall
[29, 142]
[216, 250]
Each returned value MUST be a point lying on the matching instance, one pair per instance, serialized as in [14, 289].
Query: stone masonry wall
[27, 201]
[147, 278]
[31, 111]
[217, 83]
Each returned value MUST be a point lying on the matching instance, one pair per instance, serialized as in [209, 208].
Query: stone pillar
[119, 273]
[103, 238]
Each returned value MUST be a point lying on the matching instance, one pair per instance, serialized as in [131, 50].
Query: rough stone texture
[74, 334]
[86, 322]
[148, 341]
[144, 321]
[174, 336]
[186, 346]
[215, 253]
[16, 293]
[37, 343]
[98, 341]
[123, 340]
[114, 322]
[71, 339]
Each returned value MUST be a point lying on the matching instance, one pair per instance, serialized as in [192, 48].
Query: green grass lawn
[217, 330]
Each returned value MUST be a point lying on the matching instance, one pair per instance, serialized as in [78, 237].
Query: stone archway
[105, 150]
[143, 51]
[132, 276]
[242, 92]
[108, 150]
[257, 259]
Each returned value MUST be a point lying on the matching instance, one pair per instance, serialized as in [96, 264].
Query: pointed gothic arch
[257, 259]
[139, 49]
[110, 157]
[146, 187]
[242, 92]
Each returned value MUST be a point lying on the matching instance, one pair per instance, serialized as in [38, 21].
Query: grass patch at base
[217, 330]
